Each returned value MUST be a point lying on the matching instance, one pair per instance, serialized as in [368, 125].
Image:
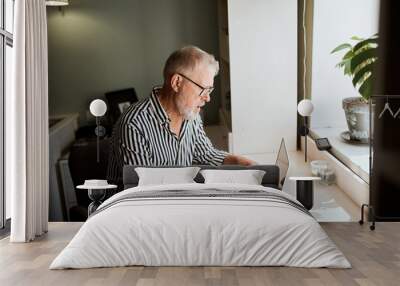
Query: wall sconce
[305, 108]
[57, 2]
[98, 108]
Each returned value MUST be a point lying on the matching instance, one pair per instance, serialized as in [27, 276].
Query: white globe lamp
[98, 108]
[305, 108]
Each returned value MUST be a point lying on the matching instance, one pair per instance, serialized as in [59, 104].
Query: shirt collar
[159, 111]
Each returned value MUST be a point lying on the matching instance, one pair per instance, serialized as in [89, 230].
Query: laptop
[282, 161]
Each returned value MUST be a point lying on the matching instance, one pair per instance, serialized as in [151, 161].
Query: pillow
[163, 176]
[248, 177]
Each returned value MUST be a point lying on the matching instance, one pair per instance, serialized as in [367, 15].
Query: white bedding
[200, 231]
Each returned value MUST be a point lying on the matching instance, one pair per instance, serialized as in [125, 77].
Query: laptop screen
[282, 161]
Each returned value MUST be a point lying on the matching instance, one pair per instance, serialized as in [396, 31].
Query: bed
[198, 224]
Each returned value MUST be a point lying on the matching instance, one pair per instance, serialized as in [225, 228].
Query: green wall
[97, 46]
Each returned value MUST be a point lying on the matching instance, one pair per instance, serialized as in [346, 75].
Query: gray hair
[188, 58]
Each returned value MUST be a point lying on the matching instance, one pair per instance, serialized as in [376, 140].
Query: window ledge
[353, 156]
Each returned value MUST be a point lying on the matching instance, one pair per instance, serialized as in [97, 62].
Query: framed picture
[122, 106]
[119, 101]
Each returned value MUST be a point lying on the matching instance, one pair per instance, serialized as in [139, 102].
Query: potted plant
[358, 63]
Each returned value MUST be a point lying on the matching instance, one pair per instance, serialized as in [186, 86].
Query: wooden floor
[374, 255]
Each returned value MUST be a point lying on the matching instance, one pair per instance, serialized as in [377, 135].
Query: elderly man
[166, 129]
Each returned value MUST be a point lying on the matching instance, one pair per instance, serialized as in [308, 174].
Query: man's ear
[176, 82]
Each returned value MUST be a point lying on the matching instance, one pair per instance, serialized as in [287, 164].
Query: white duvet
[200, 231]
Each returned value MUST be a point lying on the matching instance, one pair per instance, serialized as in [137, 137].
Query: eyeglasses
[204, 90]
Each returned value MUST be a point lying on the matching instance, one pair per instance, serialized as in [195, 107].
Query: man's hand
[238, 160]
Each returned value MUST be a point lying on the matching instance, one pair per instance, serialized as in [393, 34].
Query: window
[6, 44]
[335, 22]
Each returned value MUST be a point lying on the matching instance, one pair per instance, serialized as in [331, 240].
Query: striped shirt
[142, 136]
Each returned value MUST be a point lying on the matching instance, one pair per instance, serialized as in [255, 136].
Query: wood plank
[374, 255]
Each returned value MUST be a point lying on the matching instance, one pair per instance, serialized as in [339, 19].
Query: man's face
[194, 92]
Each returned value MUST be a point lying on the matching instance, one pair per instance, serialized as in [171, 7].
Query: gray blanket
[206, 194]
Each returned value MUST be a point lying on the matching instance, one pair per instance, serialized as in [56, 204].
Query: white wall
[335, 22]
[263, 63]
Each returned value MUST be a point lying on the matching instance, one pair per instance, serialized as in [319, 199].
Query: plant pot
[356, 110]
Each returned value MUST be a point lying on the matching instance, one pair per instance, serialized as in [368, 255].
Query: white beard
[187, 113]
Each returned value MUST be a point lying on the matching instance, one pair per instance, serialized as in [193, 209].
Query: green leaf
[360, 75]
[347, 68]
[348, 55]
[341, 47]
[342, 63]
[356, 38]
[345, 64]
[366, 88]
[363, 56]
[364, 43]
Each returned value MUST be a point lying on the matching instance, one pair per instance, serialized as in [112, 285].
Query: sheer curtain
[27, 124]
